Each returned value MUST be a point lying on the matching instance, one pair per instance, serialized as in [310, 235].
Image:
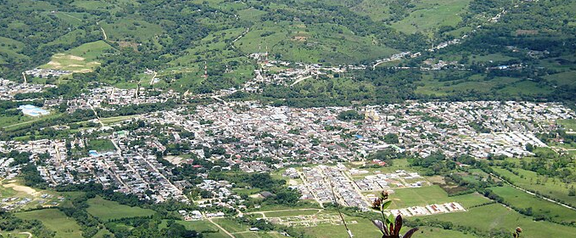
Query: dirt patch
[83, 71]
[175, 160]
[54, 63]
[73, 57]
[24, 189]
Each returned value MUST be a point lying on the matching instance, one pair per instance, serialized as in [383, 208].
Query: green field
[539, 206]
[433, 15]
[545, 186]
[497, 217]
[107, 210]
[81, 59]
[55, 220]
[365, 228]
[101, 145]
[407, 197]
[569, 124]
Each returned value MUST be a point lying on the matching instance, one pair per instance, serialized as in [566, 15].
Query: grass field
[539, 206]
[569, 124]
[81, 59]
[497, 217]
[365, 228]
[407, 197]
[55, 220]
[433, 14]
[107, 210]
[531, 181]
[231, 225]
[101, 145]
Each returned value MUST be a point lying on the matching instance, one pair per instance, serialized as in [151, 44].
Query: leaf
[398, 225]
[390, 218]
[410, 233]
[385, 205]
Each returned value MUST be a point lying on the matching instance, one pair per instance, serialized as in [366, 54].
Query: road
[26, 233]
[300, 80]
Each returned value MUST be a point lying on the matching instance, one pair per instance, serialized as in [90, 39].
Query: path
[153, 77]
[219, 227]
[104, 33]
[26, 233]
[239, 37]
[300, 80]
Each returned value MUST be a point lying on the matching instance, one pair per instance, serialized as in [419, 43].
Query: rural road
[221, 228]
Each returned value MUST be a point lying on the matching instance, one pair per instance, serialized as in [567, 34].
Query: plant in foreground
[389, 226]
[517, 232]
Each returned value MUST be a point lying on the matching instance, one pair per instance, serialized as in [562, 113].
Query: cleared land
[81, 59]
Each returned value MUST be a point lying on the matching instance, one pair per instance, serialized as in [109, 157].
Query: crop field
[539, 206]
[107, 210]
[53, 219]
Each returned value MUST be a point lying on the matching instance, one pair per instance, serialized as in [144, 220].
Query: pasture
[55, 220]
[538, 206]
[108, 210]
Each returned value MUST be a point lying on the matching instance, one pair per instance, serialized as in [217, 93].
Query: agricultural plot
[108, 210]
[53, 219]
